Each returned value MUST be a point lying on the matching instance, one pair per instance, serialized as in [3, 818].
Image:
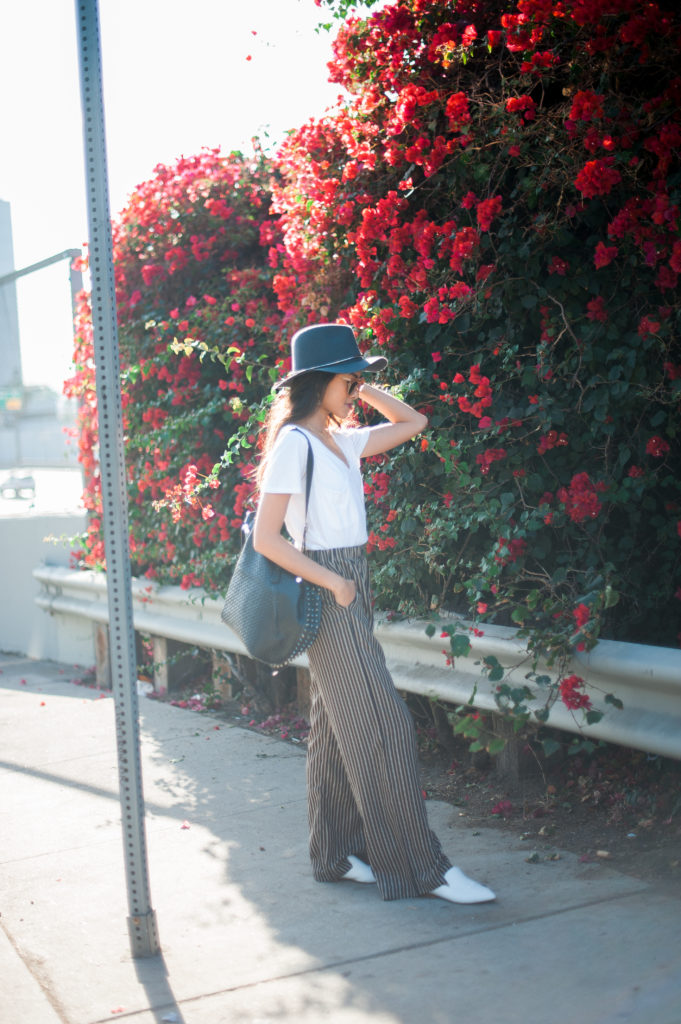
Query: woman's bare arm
[404, 421]
[268, 541]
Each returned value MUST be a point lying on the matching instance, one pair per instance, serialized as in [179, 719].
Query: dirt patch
[618, 806]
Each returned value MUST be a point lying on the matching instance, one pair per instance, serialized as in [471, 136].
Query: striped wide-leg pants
[364, 794]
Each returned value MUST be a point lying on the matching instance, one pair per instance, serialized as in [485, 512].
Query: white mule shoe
[359, 871]
[458, 888]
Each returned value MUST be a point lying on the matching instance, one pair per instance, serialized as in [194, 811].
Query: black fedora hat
[328, 348]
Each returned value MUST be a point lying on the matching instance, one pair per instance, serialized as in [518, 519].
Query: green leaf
[550, 747]
[460, 645]
[430, 629]
[593, 716]
[496, 745]
[615, 701]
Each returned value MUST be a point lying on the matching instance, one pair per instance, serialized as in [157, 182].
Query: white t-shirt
[336, 517]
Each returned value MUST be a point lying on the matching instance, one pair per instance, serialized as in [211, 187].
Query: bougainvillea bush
[495, 207]
[198, 326]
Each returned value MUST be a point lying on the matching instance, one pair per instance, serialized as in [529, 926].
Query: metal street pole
[67, 254]
[142, 919]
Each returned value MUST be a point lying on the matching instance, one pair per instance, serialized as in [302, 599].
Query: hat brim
[371, 363]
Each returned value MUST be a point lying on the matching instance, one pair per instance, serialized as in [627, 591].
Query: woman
[366, 813]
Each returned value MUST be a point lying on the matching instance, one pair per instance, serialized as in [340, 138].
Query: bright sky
[176, 78]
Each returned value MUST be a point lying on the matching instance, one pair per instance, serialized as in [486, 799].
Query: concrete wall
[25, 628]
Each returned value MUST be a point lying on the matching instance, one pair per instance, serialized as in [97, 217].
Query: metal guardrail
[646, 679]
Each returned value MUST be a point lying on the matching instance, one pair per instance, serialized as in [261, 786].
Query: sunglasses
[352, 384]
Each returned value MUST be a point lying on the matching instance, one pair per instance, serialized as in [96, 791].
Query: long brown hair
[294, 403]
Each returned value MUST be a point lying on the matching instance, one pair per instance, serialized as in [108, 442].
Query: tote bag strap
[309, 470]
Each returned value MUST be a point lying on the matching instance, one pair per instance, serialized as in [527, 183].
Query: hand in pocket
[345, 593]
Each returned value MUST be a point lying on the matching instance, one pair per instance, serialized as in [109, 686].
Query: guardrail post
[515, 762]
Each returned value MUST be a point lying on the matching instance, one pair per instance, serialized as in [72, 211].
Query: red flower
[552, 440]
[666, 278]
[572, 693]
[675, 259]
[582, 614]
[150, 272]
[604, 255]
[581, 498]
[597, 309]
[523, 105]
[558, 266]
[457, 112]
[469, 35]
[586, 105]
[647, 327]
[486, 211]
[598, 177]
[657, 447]
[514, 549]
[406, 307]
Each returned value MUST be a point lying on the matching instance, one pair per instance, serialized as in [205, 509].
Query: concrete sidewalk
[247, 935]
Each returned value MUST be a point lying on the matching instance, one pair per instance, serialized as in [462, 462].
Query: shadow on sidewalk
[302, 948]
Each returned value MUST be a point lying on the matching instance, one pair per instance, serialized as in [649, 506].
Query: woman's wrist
[332, 581]
[366, 390]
